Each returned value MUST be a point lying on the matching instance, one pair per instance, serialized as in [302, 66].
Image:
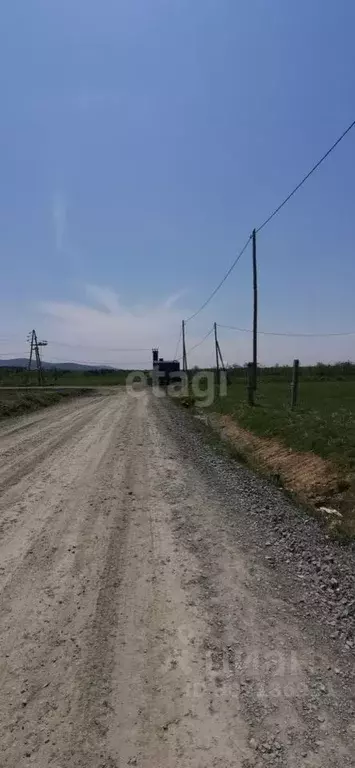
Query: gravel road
[161, 607]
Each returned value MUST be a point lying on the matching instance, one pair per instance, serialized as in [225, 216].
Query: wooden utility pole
[216, 349]
[250, 383]
[294, 385]
[255, 314]
[222, 366]
[184, 356]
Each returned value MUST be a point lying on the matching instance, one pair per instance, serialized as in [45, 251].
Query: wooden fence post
[250, 383]
[294, 385]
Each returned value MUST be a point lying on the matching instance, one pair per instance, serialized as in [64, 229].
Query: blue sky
[140, 143]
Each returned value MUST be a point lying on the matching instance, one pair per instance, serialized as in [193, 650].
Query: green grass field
[12, 377]
[14, 403]
[323, 421]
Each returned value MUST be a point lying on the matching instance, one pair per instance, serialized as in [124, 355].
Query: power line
[95, 363]
[84, 346]
[306, 177]
[276, 333]
[299, 185]
[60, 359]
[202, 340]
[178, 343]
[198, 343]
[12, 336]
[105, 349]
[235, 262]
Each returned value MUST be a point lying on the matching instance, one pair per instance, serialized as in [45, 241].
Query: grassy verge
[18, 377]
[310, 450]
[14, 403]
[323, 422]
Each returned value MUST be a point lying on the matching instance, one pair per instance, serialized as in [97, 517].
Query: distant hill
[21, 362]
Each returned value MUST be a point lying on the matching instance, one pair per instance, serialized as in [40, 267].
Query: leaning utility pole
[255, 314]
[221, 388]
[216, 350]
[219, 359]
[35, 345]
[222, 366]
[184, 355]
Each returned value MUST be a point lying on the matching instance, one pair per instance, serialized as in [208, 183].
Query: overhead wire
[229, 271]
[87, 346]
[93, 346]
[178, 344]
[95, 363]
[277, 333]
[235, 262]
[200, 342]
[298, 186]
[271, 216]
[197, 344]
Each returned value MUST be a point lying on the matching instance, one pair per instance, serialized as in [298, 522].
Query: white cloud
[96, 328]
[104, 298]
[171, 300]
[102, 324]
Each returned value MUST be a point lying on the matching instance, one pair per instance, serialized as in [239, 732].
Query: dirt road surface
[141, 623]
